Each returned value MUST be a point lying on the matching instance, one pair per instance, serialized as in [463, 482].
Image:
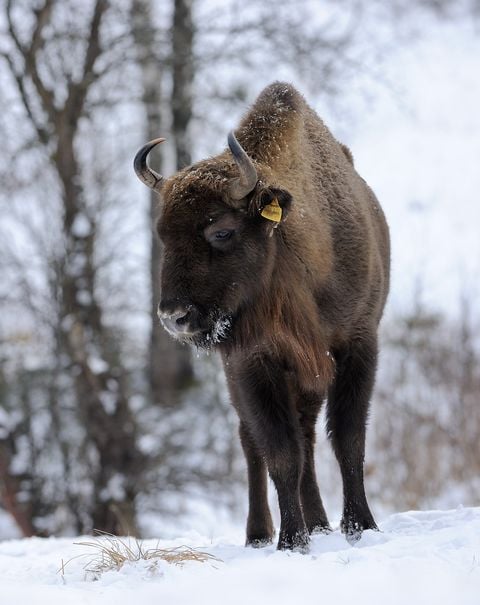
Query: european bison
[276, 253]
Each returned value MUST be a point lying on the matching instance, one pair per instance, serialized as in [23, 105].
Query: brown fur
[304, 298]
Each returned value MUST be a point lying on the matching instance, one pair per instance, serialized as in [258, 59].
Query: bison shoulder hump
[281, 94]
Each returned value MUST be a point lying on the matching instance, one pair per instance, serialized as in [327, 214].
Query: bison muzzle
[276, 253]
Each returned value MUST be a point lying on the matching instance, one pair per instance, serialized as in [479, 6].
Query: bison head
[216, 221]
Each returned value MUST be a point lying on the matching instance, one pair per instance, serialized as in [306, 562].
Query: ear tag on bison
[272, 211]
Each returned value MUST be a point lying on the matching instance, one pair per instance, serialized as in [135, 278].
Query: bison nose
[175, 321]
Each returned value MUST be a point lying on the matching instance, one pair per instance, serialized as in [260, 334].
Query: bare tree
[54, 89]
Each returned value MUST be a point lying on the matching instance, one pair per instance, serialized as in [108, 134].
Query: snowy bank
[419, 557]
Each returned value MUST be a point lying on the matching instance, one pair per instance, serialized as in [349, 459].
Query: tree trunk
[99, 378]
[182, 76]
[170, 368]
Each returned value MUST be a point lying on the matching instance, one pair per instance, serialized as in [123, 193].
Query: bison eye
[223, 235]
[219, 238]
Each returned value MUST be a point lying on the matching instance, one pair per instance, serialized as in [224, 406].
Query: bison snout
[177, 321]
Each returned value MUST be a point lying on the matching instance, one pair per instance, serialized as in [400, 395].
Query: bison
[276, 253]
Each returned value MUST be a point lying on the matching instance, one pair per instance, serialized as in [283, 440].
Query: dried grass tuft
[112, 553]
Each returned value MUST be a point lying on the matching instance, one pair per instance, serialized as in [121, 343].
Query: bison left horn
[241, 186]
[148, 176]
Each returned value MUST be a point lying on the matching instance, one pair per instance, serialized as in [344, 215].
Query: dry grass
[110, 552]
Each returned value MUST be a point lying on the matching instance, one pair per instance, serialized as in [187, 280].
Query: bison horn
[241, 186]
[148, 176]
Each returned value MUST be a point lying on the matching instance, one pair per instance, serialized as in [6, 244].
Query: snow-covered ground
[419, 557]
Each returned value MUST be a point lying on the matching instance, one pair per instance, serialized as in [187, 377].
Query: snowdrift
[418, 557]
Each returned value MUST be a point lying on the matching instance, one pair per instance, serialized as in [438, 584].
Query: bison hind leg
[347, 411]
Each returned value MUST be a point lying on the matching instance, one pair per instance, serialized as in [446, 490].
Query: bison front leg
[285, 469]
[259, 524]
[313, 510]
[347, 411]
[274, 425]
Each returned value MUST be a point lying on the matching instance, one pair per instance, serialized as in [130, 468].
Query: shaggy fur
[293, 310]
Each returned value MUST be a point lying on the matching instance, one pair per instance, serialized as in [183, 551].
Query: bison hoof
[320, 529]
[353, 530]
[298, 542]
[258, 542]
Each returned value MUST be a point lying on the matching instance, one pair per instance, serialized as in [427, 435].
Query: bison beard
[276, 252]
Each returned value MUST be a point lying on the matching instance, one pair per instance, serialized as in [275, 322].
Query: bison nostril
[165, 312]
[177, 321]
[180, 321]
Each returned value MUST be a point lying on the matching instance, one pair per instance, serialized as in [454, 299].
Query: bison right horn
[240, 187]
[148, 176]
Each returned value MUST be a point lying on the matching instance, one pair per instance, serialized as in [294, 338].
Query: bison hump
[272, 122]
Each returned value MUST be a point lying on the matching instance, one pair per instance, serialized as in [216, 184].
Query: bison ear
[271, 203]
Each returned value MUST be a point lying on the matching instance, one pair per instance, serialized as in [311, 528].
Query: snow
[418, 557]
[84, 297]
[115, 489]
[221, 328]
[81, 226]
[97, 364]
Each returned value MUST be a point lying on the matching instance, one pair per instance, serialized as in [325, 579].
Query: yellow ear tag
[272, 211]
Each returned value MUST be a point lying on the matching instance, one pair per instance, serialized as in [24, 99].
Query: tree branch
[43, 17]
[42, 133]
[77, 91]
[29, 54]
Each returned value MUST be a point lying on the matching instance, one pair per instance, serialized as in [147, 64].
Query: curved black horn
[241, 186]
[148, 176]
